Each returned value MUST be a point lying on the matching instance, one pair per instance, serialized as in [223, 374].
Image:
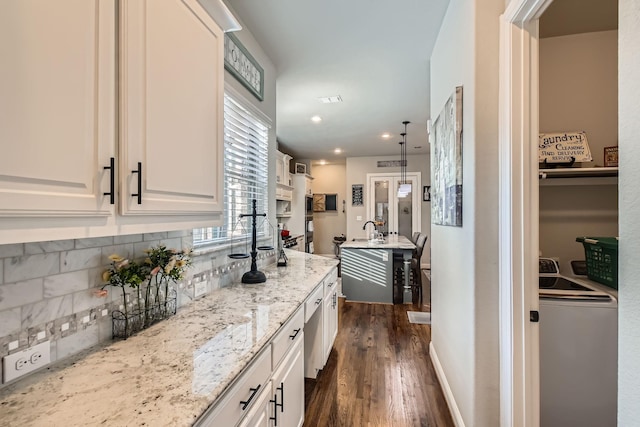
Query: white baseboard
[446, 389]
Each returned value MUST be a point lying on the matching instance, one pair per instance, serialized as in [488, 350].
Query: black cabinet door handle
[295, 334]
[139, 193]
[318, 301]
[254, 391]
[281, 404]
[275, 410]
[112, 180]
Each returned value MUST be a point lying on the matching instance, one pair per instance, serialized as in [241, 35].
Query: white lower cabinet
[270, 391]
[313, 335]
[321, 325]
[288, 390]
[330, 311]
[241, 397]
[260, 414]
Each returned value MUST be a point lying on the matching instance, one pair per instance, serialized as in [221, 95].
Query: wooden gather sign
[239, 62]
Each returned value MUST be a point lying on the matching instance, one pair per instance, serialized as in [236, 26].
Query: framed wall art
[301, 168]
[611, 156]
[446, 189]
[356, 195]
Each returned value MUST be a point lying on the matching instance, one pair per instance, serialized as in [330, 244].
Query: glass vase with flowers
[165, 266]
[123, 273]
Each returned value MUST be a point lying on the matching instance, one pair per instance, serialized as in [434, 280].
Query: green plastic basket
[602, 259]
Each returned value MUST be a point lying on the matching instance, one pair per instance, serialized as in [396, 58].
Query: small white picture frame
[301, 168]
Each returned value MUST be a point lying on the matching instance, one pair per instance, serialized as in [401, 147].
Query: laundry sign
[563, 147]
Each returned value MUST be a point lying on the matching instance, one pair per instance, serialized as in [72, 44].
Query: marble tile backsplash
[49, 287]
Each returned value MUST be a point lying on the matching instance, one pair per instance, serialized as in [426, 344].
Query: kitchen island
[368, 271]
[171, 373]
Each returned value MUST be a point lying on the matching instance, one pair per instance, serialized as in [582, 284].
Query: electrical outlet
[25, 361]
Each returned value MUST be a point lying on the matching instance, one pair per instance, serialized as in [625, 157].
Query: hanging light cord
[403, 154]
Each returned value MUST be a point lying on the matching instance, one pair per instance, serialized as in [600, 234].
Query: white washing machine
[578, 351]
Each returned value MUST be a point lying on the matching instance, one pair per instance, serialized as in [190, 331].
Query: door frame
[518, 213]
[416, 201]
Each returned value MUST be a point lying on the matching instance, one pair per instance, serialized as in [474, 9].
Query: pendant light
[404, 188]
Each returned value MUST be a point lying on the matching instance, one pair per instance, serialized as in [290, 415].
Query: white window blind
[246, 141]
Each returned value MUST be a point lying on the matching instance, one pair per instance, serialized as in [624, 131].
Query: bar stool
[416, 272]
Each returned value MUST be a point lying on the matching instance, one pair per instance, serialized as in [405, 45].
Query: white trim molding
[518, 213]
[446, 389]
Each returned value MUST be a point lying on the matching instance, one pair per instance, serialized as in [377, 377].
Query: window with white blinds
[246, 141]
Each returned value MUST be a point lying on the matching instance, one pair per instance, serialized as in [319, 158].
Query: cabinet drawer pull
[112, 180]
[295, 334]
[318, 301]
[139, 193]
[253, 391]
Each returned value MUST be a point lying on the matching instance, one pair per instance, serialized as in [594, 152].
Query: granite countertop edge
[172, 372]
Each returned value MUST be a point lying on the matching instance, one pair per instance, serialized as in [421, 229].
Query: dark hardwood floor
[378, 374]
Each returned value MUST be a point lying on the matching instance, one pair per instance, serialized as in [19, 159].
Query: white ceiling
[373, 53]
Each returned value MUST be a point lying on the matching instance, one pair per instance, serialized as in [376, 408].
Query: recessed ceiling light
[330, 99]
[386, 135]
[337, 151]
[316, 119]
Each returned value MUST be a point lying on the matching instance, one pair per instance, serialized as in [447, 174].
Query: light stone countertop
[390, 242]
[169, 374]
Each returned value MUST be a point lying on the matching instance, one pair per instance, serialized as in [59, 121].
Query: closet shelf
[577, 172]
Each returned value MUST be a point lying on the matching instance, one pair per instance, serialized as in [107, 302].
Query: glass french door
[396, 204]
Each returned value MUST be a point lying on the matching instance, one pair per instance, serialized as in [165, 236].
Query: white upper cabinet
[57, 107]
[171, 100]
[73, 101]
[284, 190]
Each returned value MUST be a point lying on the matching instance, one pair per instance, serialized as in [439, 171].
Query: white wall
[579, 91]
[267, 106]
[464, 269]
[329, 179]
[579, 88]
[629, 274]
[357, 170]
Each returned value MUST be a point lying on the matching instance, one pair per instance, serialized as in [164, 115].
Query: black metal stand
[253, 275]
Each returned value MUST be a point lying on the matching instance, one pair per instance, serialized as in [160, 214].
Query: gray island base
[367, 269]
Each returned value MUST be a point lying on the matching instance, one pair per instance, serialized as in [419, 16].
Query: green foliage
[168, 264]
[123, 272]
